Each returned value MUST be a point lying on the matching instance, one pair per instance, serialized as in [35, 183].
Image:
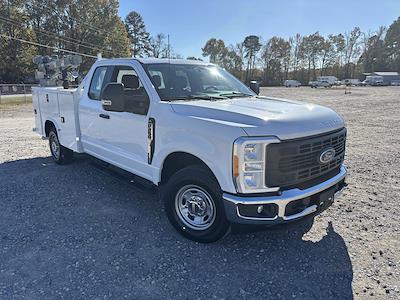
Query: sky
[191, 23]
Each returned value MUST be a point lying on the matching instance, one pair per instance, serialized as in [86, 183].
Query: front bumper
[286, 206]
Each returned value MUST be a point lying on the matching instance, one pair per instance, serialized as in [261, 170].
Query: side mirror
[112, 97]
[255, 87]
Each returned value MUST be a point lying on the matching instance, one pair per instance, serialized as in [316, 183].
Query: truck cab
[218, 152]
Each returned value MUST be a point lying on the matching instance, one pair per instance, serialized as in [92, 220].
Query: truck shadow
[303, 268]
[62, 226]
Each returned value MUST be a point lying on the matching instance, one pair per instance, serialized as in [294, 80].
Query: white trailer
[330, 79]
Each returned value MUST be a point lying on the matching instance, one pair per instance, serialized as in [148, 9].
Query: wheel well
[177, 161]
[47, 126]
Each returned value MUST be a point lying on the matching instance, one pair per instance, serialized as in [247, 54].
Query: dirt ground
[80, 231]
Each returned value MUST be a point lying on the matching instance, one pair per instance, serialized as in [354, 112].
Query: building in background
[388, 77]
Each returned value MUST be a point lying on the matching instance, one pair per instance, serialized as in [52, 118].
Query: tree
[373, 53]
[84, 26]
[276, 58]
[215, 49]
[327, 55]
[311, 48]
[236, 53]
[295, 55]
[15, 56]
[139, 37]
[251, 46]
[232, 62]
[392, 46]
[158, 46]
[223, 56]
[352, 50]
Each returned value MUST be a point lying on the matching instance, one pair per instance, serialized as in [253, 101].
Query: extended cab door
[120, 138]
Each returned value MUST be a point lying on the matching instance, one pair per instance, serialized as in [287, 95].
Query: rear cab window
[97, 83]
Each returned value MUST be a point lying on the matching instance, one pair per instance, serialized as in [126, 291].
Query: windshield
[191, 82]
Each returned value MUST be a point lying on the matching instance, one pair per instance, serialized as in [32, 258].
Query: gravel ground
[82, 231]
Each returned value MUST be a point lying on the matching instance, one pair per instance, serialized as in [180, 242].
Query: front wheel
[60, 154]
[193, 203]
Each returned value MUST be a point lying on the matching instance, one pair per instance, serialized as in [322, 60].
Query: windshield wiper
[235, 94]
[197, 97]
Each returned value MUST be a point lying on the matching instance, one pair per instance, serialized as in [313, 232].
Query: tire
[60, 154]
[192, 199]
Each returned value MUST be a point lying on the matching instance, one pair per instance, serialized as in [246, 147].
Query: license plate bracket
[326, 198]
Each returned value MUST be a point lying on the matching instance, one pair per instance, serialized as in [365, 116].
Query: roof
[111, 61]
[386, 73]
[171, 61]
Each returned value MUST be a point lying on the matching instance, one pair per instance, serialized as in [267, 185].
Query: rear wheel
[193, 203]
[60, 154]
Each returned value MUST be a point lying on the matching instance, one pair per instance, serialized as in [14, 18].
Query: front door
[120, 138]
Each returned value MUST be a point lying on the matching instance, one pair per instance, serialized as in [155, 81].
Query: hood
[263, 116]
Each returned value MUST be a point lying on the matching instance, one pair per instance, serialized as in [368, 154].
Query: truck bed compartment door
[37, 112]
[67, 120]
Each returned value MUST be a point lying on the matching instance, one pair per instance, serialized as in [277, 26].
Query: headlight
[248, 164]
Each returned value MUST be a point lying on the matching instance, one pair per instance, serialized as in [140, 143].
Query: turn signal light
[235, 166]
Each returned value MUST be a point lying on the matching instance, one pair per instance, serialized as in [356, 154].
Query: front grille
[294, 163]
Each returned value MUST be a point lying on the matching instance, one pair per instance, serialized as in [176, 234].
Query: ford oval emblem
[327, 155]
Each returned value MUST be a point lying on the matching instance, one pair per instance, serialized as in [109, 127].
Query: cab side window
[136, 97]
[129, 78]
[97, 83]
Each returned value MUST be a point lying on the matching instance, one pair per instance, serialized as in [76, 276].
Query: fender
[203, 149]
[49, 119]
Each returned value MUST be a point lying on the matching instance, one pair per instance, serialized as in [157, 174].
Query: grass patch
[15, 99]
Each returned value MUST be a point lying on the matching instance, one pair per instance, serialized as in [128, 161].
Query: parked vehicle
[217, 151]
[373, 81]
[330, 79]
[319, 83]
[350, 81]
[292, 83]
[395, 83]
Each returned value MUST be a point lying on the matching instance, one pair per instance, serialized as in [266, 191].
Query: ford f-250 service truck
[218, 152]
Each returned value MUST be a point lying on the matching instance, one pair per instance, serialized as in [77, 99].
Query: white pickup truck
[218, 152]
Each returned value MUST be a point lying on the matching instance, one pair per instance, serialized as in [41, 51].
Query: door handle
[104, 116]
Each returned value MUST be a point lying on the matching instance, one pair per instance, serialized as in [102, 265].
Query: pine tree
[138, 35]
[392, 44]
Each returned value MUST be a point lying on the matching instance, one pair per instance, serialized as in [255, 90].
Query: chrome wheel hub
[195, 207]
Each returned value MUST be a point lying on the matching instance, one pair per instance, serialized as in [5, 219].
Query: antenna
[169, 48]
[169, 60]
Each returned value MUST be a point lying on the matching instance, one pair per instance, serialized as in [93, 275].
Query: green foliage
[84, 26]
[93, 26]
[251, 46]
[226, 57]
[392, 45]
[215, 49]
[138, 35]
[15, 57]
[304, 58]
[276, 59]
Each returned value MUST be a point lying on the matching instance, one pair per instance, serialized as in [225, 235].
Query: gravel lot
[82, 231]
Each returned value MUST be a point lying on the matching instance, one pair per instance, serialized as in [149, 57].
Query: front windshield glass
[191, 82]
